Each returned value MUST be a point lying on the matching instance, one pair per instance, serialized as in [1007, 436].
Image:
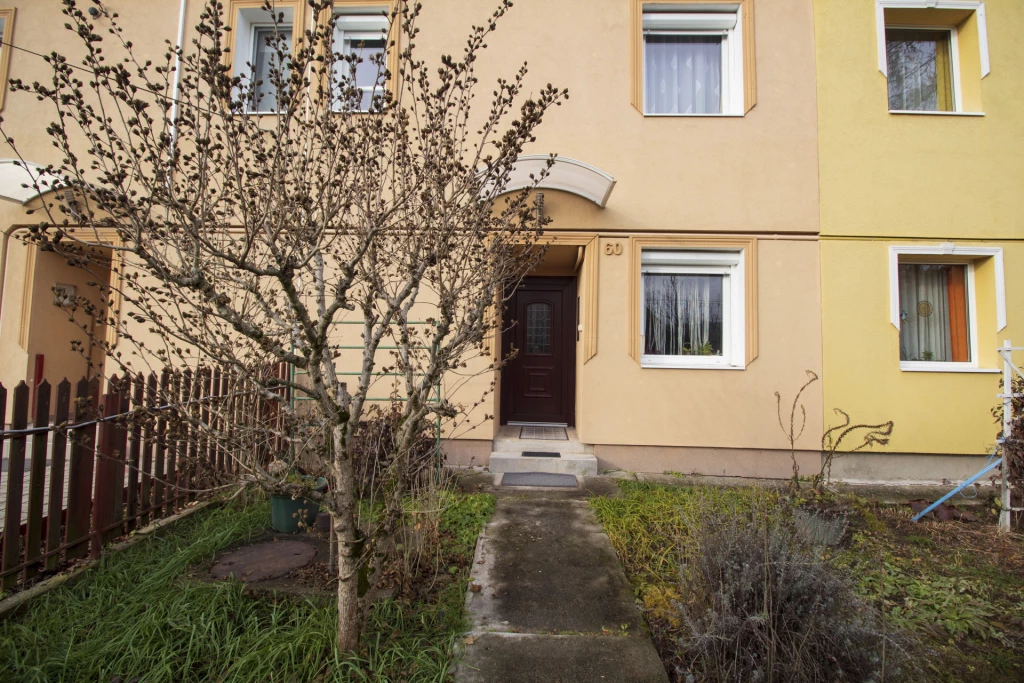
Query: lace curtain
[682, 74]
[682, 315]
[924, 313]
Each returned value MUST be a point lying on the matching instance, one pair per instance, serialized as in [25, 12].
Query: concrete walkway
[549, 601]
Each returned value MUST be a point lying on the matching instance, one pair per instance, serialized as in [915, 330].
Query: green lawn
[956, 590]
[138, 614]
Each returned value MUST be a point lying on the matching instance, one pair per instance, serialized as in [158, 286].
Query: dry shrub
[761, 607]
[373, 449]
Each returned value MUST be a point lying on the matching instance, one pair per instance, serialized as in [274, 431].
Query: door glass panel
[538, 329]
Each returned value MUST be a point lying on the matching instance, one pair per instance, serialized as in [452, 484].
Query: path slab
[549, 600]
[560, 659]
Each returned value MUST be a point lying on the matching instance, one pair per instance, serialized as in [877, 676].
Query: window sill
[926, 366]
[647, 365]
[935, 113]
[693, 116]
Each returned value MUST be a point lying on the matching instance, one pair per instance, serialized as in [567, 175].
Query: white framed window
[692, 309]
[937, 313]
[923, 69]
[692, 61]
[256, 54]
[933, 304]
[362, 32]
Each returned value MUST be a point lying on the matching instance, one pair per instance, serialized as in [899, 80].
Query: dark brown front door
[537, 385]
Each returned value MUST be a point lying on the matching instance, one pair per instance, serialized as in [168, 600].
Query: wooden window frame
[684, 243]
[5, 51]
[746, 9]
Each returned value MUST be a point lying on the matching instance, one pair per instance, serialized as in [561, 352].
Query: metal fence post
[1004, 498]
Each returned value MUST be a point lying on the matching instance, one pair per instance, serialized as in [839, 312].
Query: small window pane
[538, 329]
[933, 313]
[367, 70]
[919, 70]
[682, 74]
[264, 95]
[683, 315]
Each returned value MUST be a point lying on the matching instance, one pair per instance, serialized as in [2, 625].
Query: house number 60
[611, 248]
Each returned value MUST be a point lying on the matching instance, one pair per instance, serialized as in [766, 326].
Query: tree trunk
[348, 548]
[348, 593]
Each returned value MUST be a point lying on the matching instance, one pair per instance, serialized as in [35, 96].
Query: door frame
[570, 324]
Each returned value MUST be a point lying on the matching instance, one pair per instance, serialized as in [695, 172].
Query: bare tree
[242, 240]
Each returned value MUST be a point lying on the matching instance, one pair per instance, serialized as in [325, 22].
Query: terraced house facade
[745, 191]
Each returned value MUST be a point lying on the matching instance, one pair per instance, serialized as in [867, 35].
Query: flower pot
[286, 513]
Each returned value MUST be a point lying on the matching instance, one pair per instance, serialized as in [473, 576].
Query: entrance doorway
[539, 383]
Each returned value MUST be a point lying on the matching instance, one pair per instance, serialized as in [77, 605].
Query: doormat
[567, 481]
[541, 454]
[544, 433]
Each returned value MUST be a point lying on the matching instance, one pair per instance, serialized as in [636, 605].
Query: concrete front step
[504, 445]
[581, 464]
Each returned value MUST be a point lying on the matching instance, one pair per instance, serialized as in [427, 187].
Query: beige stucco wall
[627, 404]
[755, 174]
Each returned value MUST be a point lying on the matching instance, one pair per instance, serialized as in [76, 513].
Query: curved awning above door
[15, 175]
[568, 175]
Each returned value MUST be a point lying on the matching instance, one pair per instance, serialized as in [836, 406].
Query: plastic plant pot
[287, 513]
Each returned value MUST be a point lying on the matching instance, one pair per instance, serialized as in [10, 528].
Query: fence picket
[122, 390]
[174, 462]
[106, 474]
[134, 454]
[145, 496]
[159, 475]
[80, 470]
[37, 481]
[58, 454]
[15, 483]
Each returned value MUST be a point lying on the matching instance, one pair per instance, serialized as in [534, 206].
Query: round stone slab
[263, 561]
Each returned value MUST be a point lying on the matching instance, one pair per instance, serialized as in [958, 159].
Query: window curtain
[683, 74]
[919, 70]
[682, 315]
[265, 57]
[924, 313]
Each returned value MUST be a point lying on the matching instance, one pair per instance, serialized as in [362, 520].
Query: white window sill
[936, 113]
[926, 366]
[694, 366]
[694, 116]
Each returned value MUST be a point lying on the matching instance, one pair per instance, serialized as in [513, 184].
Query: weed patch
[951, 592]
[138, 615]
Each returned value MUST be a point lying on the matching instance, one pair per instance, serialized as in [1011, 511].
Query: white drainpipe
[177, 74]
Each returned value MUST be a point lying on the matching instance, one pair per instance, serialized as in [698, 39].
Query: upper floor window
[259, 43]
[693, 63]
[693, 58]
[933, 57]
[361, 33]
[6, 33]
[920, 70]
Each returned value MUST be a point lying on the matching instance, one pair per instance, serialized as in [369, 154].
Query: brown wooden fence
[132, 460]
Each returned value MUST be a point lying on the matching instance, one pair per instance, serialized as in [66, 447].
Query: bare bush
[761, 607]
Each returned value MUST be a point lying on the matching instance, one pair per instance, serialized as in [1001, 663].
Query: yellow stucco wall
[888, 179]
[933, 176]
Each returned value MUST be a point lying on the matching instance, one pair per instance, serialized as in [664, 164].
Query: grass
[955, 589]
[139, 615]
